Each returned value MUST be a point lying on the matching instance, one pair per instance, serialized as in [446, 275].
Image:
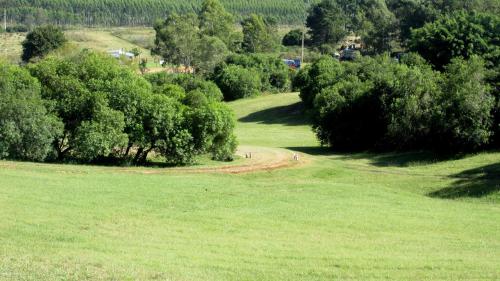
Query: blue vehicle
[295, 64]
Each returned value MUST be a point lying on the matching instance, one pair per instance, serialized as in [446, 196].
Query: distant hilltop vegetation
[138, 12]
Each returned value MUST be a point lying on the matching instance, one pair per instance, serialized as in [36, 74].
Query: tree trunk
[138, 155]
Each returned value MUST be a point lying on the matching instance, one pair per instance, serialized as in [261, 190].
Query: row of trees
[205, 39]
[383, 25]
[378, 103]
[137, 12]
[87, 107]
[444, 96]
[209, 43]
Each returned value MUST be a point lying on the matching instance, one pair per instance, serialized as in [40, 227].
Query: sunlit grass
[359, 216]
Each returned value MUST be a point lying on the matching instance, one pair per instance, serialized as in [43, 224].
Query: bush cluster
[379, 103]
[243, 75]
[89, 108]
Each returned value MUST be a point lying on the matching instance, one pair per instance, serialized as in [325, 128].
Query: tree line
[137, 12]
[87, 107]
[242, 63]
[441, 93]
[382, 25]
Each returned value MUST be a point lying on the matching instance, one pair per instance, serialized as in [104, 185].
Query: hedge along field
[140, 12]
[358, 216]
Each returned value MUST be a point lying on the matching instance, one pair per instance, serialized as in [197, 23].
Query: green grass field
[334, 217]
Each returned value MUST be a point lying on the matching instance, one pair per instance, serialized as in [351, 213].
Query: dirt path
[262, 159]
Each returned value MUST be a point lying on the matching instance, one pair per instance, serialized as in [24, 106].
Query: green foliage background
[139, 12]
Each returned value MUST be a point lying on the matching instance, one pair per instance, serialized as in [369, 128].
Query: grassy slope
[97, 39]
[10, 46]
[361, 217]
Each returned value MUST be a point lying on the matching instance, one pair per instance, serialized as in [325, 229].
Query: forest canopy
[138, 12]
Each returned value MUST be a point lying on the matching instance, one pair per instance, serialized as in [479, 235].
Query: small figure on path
[295, 157]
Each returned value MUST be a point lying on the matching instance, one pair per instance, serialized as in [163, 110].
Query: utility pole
[5, 19]
[302, 52]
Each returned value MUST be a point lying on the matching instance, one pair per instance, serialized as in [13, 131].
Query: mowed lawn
[335, 217]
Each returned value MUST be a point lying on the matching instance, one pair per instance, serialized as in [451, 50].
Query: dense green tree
[101, 110]
[187, 82]
[212, 126]
[180, 41]
[292, 38]
[330, 21]
[163, 118]
[414, 14]
[460, 34]
[177, 39]
[215, 21]
[209, 122]
[274, 74]
[41, 41]
[376, 103]
[327, 23]
[212, 51]
[378, 26]
[413, 109]
[27, 129]
[237, 82]
[347, 109]
[88, 89]
[467, 105]
[323, 73]
[101, 135]
[258, 35]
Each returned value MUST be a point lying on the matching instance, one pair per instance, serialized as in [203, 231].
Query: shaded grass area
[476, 182]
[291, 115]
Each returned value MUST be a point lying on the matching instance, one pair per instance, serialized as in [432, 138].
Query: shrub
[187, 81]
[274, 73]
[237, 82]
[325, 72]
[292, 38]
[467, 120]
[17, 28]
[41, 41]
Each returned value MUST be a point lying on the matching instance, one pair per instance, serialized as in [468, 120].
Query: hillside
[100, 40]
[139, 12]
[331, 216]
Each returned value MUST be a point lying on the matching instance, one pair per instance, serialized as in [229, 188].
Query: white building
[118, 53]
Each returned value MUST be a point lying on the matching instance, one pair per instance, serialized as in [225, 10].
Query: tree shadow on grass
[291, 115]
[314, 150]
[403, 159]
[476, 183]
[380, 159]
